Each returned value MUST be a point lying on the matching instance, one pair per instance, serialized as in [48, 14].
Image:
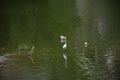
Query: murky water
[91, 50]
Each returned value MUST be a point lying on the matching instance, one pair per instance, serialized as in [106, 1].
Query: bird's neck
[65, 41]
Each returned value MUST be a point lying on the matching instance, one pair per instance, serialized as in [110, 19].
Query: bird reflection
[31, 58]
[65, 58]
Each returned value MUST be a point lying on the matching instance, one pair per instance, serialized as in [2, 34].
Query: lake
[91, 28]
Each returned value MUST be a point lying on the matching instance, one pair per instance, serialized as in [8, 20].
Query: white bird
[63, 40]
[85, 44]
[30, 53]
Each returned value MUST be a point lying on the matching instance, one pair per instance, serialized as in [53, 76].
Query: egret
[63, 40]
[85, 44]
[30, 54]
[31, 51]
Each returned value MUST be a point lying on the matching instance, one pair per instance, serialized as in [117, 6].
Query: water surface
[40, 23]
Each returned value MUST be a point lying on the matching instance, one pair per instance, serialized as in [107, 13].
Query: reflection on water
[32, 60]
[65, 58]
[88, 51]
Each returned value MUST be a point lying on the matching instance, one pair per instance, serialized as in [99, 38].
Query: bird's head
[63, 38]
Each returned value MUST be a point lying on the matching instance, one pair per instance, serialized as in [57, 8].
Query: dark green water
[39, 23]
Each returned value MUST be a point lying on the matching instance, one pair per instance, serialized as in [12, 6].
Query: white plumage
[65, 46]
[85, 44]
[62, 37]
[63, 40]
